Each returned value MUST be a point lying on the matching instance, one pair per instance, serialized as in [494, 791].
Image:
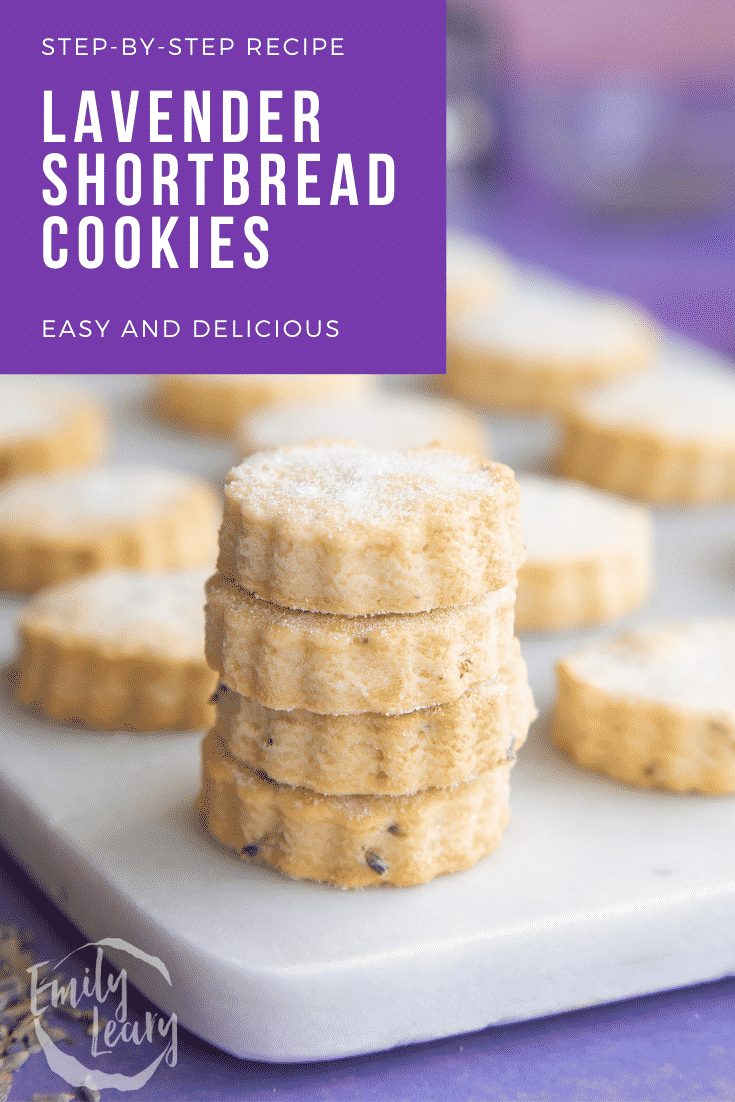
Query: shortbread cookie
[217, 403]
[46, 430]
[477, 273]
[654, 707]
[390, 422]
[340, 528]
[285, 658]
[351, 841]
[53, 527]
[542, 344]
[376, 754]
[588, 556]
[665, 436]
[118, 650]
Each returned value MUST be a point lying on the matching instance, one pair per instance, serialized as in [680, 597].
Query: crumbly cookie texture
[376, 754]
[351, 841]
[477, 273]
[217, 403]
[122, 649]
[666, 436]
[54, 527]
[654, 707]
[337, 527]
[338, 665]
[386, 422]
[588, 556]
[46, 430]
[542, 344]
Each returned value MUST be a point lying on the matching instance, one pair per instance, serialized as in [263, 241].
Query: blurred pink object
[582, 38]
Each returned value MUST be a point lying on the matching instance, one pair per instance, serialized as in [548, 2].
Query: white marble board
[597, 892]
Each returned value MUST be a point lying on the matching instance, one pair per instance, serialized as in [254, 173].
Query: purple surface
[377, 270]
[678, 1046]
[634, 145]
[681, 270]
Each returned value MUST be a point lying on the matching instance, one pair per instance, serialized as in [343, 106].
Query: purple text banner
[241, 188]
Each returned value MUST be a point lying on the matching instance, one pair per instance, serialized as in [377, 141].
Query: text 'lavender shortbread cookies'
[337, 527]
[654, 707]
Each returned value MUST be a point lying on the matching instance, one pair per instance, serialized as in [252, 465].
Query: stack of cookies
[373, 693]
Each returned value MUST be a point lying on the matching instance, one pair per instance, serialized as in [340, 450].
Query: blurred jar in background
[626, 107]
[476, 49]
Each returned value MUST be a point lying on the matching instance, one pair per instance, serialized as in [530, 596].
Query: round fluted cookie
[588, 556]
[389, 422]
[217, 403]
[287, 658]
[337, 527]
[377, 754]
[665, 436]
[122, 649]
[351, 841]
[654, 707]
[477, 273]
[56, 526]
[42, 429]
[542, 344]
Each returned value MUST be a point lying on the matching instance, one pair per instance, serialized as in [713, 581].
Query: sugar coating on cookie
[131, 611]
[351, 841]
[348, 484]
[689, 666]
[654, 707]
[56, 526]
[667, 435]
[377, 754]
[388, 423]
[99, 497]
[43, 429]
[119, 649]
[389, 663]
[588, 555]
[337, 527]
